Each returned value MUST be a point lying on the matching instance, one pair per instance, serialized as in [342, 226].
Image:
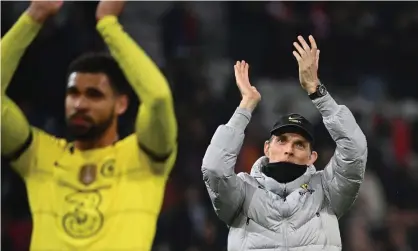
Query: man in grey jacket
[285, 204]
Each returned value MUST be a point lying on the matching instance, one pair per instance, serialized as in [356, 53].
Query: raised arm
[15, 42]
[15, 129]
[16, 132]
[344, 173]
[226, 190]
[156, 125]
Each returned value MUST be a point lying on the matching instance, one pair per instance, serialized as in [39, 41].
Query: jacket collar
[281, 189]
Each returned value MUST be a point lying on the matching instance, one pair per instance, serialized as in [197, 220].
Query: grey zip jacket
[263, 214]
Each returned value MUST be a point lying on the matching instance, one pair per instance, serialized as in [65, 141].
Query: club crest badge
[88, 174]
[108, 168]
[306, 189]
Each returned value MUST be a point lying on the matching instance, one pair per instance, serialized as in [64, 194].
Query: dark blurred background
[369, 61]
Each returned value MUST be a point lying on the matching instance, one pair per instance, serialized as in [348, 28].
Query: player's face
[289, 147]
[91, 105]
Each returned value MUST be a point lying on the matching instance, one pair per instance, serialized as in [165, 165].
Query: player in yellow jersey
[99, 192]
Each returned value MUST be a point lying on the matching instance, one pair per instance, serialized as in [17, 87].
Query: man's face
[289, 147]
[91, 105]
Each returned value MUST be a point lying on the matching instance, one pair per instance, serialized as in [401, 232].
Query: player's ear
[122, 103]
[313, 157]
[267, 148]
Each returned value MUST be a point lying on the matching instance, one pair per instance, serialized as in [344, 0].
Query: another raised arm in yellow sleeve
[22, 144]
[13, 46]
[156, 125]
[15, 129]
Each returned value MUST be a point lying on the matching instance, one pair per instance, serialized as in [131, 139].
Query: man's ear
[121, 104]
[313, 157]
[266, 148]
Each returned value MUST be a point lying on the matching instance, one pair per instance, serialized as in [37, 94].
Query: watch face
[322, 90]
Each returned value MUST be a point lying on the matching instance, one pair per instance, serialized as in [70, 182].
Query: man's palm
[308, 61]
[109, 8]
[41, 10]
[249, 93]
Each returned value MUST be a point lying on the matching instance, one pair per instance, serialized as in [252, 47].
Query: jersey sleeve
[23, 145]
[13, 45]
[139, 160]
[15, 130]
[41, 146]
[156, 126]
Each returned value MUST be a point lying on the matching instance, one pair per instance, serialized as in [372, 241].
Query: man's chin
[79, 132]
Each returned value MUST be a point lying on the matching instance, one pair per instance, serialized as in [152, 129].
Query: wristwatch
[320, 92]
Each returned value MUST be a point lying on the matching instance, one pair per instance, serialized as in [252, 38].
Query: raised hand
[308, 61]
[250, 95]
[41, 10]
[109, 8]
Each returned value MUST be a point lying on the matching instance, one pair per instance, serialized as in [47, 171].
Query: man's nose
[80, 103]
[288, 149]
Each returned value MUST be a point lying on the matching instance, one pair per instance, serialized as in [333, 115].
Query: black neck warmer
[284, 172]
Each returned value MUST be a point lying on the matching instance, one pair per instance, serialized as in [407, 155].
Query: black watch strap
[320, 92]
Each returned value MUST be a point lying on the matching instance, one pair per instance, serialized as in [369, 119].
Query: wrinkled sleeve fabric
[226, 189]
[344, 173]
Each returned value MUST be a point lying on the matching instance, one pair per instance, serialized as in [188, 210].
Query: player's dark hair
[101, 63]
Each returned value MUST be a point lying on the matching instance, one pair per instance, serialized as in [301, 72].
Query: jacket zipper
[285, 235]
[247, 222]
[285, 223]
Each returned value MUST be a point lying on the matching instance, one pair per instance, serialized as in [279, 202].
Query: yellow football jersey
[102, 199]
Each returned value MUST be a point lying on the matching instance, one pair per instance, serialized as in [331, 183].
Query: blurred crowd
[368, 62]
